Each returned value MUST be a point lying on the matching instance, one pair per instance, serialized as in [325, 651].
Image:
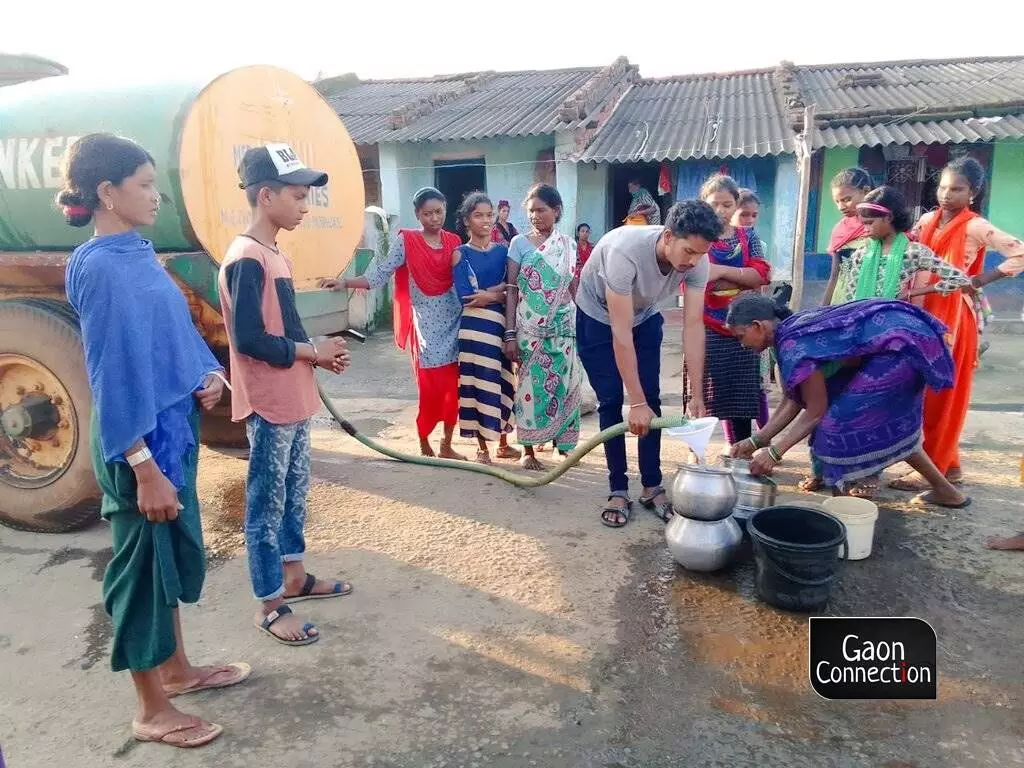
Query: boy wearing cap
[274, 388]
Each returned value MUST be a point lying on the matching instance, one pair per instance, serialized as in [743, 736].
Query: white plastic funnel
[696, 433]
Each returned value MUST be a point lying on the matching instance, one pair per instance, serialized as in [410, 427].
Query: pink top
[981, 233]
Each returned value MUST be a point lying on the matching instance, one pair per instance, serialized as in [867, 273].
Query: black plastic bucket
[796, 554]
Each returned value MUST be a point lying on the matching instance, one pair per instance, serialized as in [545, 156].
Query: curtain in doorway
[692, 174]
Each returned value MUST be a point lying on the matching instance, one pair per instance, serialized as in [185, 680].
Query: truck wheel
[217, 430]
[46, 477]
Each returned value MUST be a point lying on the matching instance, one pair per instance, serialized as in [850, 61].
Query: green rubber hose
[522, 481]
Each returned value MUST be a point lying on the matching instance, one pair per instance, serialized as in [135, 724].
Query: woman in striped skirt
[486, 381]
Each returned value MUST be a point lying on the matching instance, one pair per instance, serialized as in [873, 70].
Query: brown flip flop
[178, 736]
[240, 669]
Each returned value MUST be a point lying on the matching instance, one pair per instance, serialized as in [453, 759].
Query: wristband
[774, 453]
[139, 457]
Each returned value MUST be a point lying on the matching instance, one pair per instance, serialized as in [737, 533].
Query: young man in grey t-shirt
[631, 273]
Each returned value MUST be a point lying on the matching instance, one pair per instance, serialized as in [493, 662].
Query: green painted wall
[836, 159]
[1006, 203]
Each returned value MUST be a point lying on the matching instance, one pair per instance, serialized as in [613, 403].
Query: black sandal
[284, 610]
[662, 511]
[610, 514]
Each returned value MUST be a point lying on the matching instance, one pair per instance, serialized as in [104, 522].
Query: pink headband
[76, 210]
[874, 207]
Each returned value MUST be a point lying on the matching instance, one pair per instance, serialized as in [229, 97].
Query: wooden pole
[805, 149]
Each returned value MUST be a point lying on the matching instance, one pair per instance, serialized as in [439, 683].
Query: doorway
[456, 179]
[619, 198]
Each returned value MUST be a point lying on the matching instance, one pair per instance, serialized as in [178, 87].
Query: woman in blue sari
[854, 377]
[487, 386]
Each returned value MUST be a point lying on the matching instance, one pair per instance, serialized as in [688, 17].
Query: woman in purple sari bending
[855, 376]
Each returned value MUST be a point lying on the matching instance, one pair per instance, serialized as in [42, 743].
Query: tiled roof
[700, 116]
[477, 105]
[366, 107]
[17, 68]
[506, 104]
[940, 87]
[925, 132]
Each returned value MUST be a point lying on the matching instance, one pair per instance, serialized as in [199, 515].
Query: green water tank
[196, 132]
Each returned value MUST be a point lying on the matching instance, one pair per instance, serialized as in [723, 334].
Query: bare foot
[508, 452]
[483, 457]
[531, 464]
[447, 452]
[811, 484]
[1007, 544]
[425, 449]
[955, 475]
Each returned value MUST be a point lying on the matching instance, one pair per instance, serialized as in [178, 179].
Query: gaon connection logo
[872, 658]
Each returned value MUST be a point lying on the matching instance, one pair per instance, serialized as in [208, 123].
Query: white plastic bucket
[858, 515]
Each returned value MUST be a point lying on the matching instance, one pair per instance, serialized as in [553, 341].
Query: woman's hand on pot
[333, 284]
[210, 394]
[744, 449]
[762, 463]
[640, 420]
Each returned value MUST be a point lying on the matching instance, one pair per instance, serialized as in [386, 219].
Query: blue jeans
[275, 501]
[594, 340]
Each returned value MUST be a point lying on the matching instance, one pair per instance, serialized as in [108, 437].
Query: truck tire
[217, 430]
[46, 479]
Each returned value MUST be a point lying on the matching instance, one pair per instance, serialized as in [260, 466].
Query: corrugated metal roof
[365, 108]
[924, 132]
[704, 116]
[505, 104]
[21, 67]
[908, 86]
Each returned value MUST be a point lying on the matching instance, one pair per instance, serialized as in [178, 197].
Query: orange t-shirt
[257, 299]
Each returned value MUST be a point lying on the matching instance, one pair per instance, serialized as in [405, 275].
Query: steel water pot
[703, 545]
[701, 492]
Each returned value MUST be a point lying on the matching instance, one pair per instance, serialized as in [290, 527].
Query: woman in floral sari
[541, 329]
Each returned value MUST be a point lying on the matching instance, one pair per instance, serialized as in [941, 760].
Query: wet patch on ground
[97, 559]
[723, 677]
[96, 637]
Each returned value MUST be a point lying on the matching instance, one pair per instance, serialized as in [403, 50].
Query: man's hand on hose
[640, 417]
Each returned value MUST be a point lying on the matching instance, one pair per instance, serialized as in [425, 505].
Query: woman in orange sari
[960, 236]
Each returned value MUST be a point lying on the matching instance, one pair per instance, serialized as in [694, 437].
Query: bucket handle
[809, 582]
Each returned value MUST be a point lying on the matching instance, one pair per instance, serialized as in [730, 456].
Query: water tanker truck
[197, 132]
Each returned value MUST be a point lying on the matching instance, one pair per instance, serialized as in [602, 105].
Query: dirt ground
[492, 626]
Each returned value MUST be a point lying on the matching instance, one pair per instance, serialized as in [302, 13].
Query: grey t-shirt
[625, 261]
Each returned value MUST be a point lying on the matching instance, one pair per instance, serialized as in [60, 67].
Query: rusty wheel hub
[38, 425]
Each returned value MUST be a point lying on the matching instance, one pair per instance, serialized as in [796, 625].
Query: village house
[903, 121]
[591, 130]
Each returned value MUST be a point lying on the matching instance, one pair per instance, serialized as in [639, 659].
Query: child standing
[274, 388]
[848, 189]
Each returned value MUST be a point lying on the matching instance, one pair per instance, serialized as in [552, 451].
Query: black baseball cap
[277, 162]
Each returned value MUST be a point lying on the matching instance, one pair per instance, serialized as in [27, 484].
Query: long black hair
[90, 161]
[973, 173]
[752, 307]
[892, 198]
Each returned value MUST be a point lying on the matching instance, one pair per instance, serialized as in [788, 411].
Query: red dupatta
[431, 269]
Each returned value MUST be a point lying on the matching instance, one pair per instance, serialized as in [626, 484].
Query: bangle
[638, 405]
[755, 442]
[316, 354]
[510, 335]
[774, 453]
[139, 457]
